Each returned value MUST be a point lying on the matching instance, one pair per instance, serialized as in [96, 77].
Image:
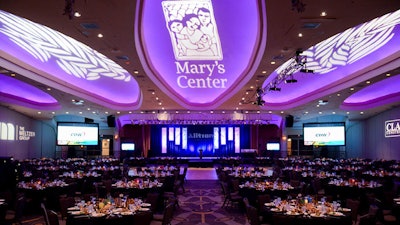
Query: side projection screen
[324, 134]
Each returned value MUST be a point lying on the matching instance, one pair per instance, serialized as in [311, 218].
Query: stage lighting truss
[294, 65]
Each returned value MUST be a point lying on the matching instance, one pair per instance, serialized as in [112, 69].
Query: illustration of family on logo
[194, 36]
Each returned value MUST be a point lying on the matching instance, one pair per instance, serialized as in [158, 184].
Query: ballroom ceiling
[286, 20]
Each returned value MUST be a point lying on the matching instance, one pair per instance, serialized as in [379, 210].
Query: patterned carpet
[200, 204]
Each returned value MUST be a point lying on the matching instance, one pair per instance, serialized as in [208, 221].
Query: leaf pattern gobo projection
[351, 45]
[71, 56]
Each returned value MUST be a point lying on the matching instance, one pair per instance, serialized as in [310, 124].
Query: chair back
[354, 206]
[142, 218]
[45, 214]
[53, 217]
[168, 214]
[253, 215]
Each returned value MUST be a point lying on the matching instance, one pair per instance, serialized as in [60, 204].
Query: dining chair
[52, 217]
[45, 214]
[65, 203]
[153, 198]
[246, 204]
[142, 218]
[354, 205]
[230, 197]
[15, 215]
[167, 216]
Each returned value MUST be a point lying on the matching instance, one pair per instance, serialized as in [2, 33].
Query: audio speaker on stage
[88, 120]
[111, 121]
[289, 121]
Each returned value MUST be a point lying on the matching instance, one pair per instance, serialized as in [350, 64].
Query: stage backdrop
[193, 140]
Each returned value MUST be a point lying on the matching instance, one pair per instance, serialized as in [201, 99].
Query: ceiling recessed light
[272, 62]
[368, 81]
[100, 35]
[300, 35]
[77, 14]
[388, 74]
[323, 13]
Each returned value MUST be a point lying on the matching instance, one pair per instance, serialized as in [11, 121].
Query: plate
[345, 210]
[76, 212]
[315, 215]
[275, 210]
[269, 204]
[126, 213]
[144, 209]
[336, 214]
[75, 208]
[98, 214]
[292, 213]
[145, 205]
[395, 199]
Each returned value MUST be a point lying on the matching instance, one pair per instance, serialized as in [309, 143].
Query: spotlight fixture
[289, 81]
[274, 88]
[305, 70]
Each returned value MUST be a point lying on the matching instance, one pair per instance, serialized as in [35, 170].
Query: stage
[203, 163]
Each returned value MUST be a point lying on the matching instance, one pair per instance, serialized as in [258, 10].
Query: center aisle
[201, 204]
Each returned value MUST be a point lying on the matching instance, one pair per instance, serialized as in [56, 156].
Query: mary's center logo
[193, 30]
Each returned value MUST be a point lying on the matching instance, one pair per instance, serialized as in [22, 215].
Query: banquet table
[290, 212]
[84, 215]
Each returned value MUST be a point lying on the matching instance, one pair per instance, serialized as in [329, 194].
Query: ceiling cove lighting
[377, 94]
[20, 93]
[337, 60]
[74, 66]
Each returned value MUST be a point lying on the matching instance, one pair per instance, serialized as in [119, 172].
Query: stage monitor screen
[73, 134]
[324, 134]
[273, 146]
[128, 146]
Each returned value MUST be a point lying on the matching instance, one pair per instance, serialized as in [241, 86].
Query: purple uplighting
[66, 64]
[339, 62]
[377, 94]
[17, 92]
[200, 52]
